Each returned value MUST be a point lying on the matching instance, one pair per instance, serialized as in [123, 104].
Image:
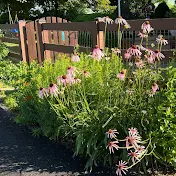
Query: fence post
[95, 30]
[40, 46]
[66, 34]
[101, 42]
[47, 37]
[59, 20]
[22, 38]
[30, 32]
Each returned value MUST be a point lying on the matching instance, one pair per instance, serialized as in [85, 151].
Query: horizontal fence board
[75, 26]
[9, 26]
[15, 49]
[15, 55]
[157, 24]
[64, 49]
[9, 40]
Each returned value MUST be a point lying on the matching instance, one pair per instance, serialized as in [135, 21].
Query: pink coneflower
[133, 51]
[127, 56]
[133, 140]
[161, 40]
[112, 145]
[139, 63]
[106, 20]
[150, 59]
[97, 54]
[64, 79]
[140, 47]
[112, 133]
[146, 27]
[86, 73]
[71, 71]
[53, 89]
[76, 80]
[141, 35]
[116, 50]
[42, 93]
[155, 87]
[150, 52]
[133, 131]
[121, 75]
[122, 168]
[134, 156]
[140, 149]
[120, 21]
[75, 58]
[158, 55]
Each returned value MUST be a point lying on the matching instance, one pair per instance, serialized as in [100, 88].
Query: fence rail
[47, 37]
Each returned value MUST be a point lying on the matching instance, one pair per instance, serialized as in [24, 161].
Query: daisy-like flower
[112, 133]
[140, 47]
[42, 93]
[146, 27]
[141, 35]
[106, 20]
[155, 87]
[149, 52]
[64, 79]
[116, 50]
[122, 168]
[76, 80]
[97, 54]
[161, 40]
[112, 145]
[139, 63]
[133, 140]
[133, 51]
[86, 73]
[53, 89]
[75, 58]
[150, 59]
[158, 55]
[127, 55]
[71, 71]
[122, 74]
[133, 131]
[120, 21]
[140, 149]
[134, 156]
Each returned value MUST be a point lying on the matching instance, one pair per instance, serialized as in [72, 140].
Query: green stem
[141, 157]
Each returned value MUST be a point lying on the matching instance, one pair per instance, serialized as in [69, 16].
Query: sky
[171, 2]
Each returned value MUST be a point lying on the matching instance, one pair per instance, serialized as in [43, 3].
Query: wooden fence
[47, 37]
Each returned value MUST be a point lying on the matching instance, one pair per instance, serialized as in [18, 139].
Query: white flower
[130, 64]
[121, 21]
[107, 58]
[105, 20]
[144, 112]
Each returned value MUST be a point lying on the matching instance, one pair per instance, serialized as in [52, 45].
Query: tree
[162, 10]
